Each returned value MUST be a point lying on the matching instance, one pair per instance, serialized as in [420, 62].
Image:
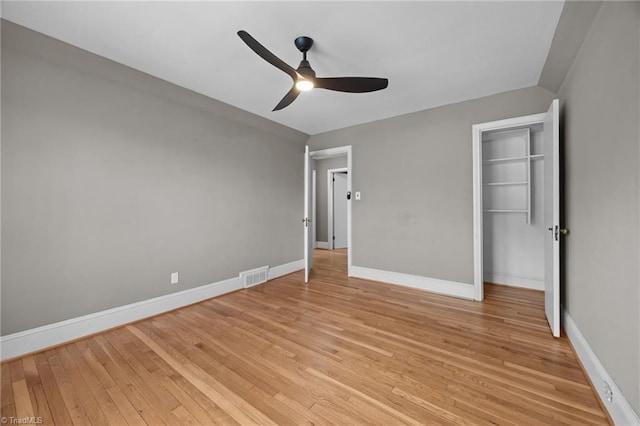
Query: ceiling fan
[304, 78]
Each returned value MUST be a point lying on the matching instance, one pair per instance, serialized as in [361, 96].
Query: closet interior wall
[513, 204]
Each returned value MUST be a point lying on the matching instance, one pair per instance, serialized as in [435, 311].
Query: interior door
[306, 220]
[339, 210]
[552, 217]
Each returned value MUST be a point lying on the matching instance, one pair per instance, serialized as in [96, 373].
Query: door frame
[478, 216]
[314, 203]
[330, 194]
[339, 152]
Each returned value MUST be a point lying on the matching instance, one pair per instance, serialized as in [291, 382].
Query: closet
[513, 206]
[516, 206]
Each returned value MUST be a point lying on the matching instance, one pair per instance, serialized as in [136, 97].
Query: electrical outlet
[174, 278]
[606, 390]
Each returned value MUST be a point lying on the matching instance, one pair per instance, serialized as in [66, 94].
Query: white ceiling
[433, 53]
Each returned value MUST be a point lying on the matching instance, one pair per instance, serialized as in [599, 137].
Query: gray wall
[112, 179]
[600, 99]
[321, 167]
[415, 175]
[574, 23]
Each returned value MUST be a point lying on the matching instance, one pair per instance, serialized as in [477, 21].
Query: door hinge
[334, 237]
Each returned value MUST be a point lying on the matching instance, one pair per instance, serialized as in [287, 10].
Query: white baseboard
[619, 408]
[450, 288]
[287, 268]
[36, 339]
[322, 245]
[513, 281]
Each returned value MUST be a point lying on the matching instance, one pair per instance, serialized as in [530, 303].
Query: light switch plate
[357, 195]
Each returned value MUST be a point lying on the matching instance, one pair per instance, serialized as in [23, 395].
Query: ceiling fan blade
[352, 84]
[264, 53]
[288, 98]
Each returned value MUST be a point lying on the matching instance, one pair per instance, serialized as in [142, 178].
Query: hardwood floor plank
[447, 415]
[98, 367]
[135, 390]
[388, 409]
[52, 391]
[302, 414]
[94, 386]
[72, 401]
[234, 405]
[93, 409]
[36, 392]
[22, 399]
[7, 405]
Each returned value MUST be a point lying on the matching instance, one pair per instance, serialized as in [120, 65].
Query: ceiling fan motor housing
[304, 43]
[305, 69]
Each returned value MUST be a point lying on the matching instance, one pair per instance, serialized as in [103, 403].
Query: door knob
[563, 231]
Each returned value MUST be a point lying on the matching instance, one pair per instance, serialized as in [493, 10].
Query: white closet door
[552, 217]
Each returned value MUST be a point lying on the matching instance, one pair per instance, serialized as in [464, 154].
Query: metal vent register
[255, 276]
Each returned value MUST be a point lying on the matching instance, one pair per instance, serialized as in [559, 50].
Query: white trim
[314, 210]
[619, 408]
[476, 139]
[36, 339]
[478, 279]
[337, 152]
[349, 216]
[306, 216]
[330, 235]
[323, 245]
[449, 288]
[513, 281]
[286, 269]
[323, 154]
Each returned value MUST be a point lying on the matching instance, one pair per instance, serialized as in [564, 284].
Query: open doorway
[337, 199]
[330, 203]
[324, 198]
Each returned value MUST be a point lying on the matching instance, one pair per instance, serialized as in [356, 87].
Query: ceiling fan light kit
[304, 85]
[304, 77]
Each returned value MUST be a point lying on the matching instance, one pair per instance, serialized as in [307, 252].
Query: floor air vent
[255, 276]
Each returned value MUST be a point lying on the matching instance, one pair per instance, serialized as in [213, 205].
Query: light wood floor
[343, 351]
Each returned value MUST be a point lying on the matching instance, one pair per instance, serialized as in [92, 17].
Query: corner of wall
[574, 23]
[547, 91]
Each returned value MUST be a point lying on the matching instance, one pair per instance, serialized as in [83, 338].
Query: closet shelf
[513, 159]
[506, 210]
[505, 183]
[506, 160]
